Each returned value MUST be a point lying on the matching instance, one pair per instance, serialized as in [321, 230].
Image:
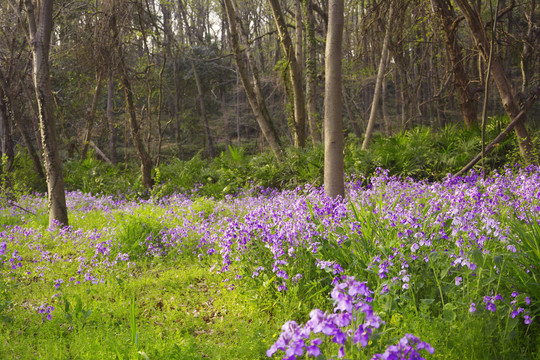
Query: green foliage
[135, 233]
[419, 153]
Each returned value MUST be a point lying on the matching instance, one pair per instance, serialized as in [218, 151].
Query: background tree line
[151, 80]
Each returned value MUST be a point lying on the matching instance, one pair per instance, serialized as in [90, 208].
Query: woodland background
[153, 82]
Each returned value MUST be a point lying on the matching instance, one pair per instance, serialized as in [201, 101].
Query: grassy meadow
[400, 268]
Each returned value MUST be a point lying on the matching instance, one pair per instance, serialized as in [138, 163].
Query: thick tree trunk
[444, 10]
[253, 93]
[378, 84]
[90, 115]
[295, 72]
[333, 103]
[503, 84]
[40, 39]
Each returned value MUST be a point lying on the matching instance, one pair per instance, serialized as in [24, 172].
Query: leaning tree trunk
[333, 103]
[503, 84]
[256, 102]
[378, 84]
[40, 39]
[295, 73]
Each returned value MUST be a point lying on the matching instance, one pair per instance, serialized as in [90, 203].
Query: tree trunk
[503, 84]
[40, 39]
[444, 10]
[295, 72]
[144, 157]
[253, 93]
[202, 107]
[386, 119]
[110, 119]
[90, 115]
[378, 84]
[333, 103]
[6, 139]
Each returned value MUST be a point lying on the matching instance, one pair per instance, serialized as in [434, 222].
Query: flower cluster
[407, 348]
[46, 310]
[351, 306]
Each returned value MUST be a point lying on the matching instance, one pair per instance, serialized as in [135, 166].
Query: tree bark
[333, 103]
[503, 84]
[253, 93]
[40, 29]
[378, 84]
[295, 72]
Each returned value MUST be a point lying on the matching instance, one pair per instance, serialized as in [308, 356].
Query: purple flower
[472, 308]
[313, 348]
[458, 280]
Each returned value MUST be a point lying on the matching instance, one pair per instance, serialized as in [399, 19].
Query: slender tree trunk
[253, 93]
[384, 105]
[91, 114]
[202, 107]
[110, 119]
[40, 39]
[333, 104]
[295, 73]
[146, 161]
[352, 120]
[378, 84]
[311, 74]
[503, 84]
